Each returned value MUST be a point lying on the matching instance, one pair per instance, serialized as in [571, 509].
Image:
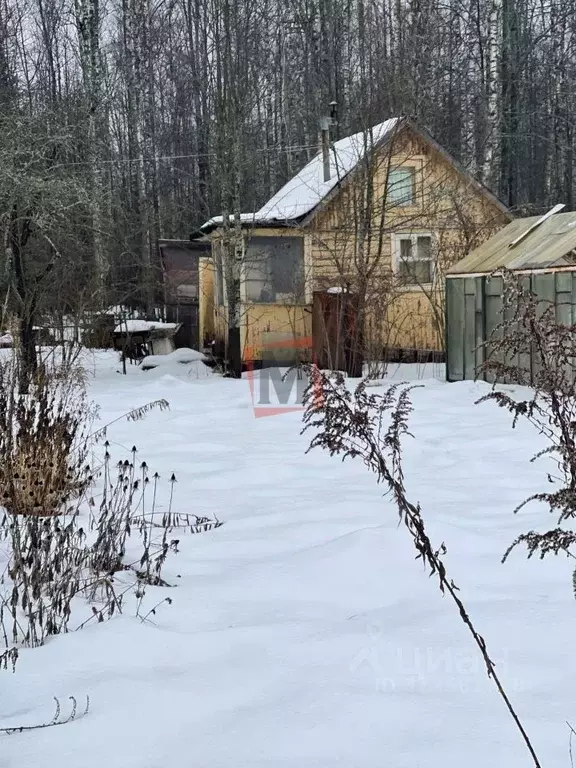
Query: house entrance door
[337, 336]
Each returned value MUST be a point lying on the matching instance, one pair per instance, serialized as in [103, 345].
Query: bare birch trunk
[87, 18]
[491, 164]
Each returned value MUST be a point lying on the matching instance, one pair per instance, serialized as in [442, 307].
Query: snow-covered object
[182, 356]
[307, 189]
[336, 289]
[245, 218]
[142, 326]
[302, 633]
[6, 340]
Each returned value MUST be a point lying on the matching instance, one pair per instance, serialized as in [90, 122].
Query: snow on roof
[307, 189]
[217, 220]
[141, 326]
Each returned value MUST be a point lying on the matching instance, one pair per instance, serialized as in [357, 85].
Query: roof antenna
[536, 224]
[325, 124]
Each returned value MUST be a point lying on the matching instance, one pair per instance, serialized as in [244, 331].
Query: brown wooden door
[336, 333]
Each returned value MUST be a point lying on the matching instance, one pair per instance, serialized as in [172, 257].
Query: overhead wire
[191, 156]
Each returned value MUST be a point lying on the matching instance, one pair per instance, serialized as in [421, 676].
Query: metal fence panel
[455, 329]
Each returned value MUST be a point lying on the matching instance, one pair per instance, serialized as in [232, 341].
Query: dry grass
[61, 550]
[43, 441]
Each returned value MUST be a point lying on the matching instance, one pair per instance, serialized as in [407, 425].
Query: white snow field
[303, 633]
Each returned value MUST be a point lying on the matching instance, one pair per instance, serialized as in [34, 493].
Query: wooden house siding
[265, 324]
[449, 206]
[207, 308]
[413, 319]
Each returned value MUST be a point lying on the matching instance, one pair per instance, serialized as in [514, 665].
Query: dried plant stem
[136, 414]
[56, 719]
[531, 348]
[572, 733]
[152, 611]
[352, 425]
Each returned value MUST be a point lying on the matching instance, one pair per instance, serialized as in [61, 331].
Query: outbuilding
[541, 250]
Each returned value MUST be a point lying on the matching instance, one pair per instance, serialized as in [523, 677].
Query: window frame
[412, 170]
[290, 298]
[398, 237]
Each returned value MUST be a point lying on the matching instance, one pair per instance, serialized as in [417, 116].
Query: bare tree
[186, 109]
[38, 201]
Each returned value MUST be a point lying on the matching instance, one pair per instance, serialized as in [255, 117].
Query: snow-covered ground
[302, 632]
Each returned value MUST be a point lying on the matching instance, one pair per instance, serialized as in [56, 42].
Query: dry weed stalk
[121, 548]
[60, 549]
[531, 348]
[43, 440]
[57, 718]
[9, 658]
[371, 427]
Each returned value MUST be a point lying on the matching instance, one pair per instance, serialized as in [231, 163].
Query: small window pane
[401, 186]
[405, 249]
[415, 272]
[424, 248]
[404, 274]
[258, 286]
[422, 272]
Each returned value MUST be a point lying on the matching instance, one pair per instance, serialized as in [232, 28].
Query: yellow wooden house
[354, 246]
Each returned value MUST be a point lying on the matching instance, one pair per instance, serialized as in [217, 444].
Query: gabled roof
[307, 189]
[300, 197]
[549, 245]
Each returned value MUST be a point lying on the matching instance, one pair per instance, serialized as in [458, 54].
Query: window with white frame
[414, 259]
[401, 188]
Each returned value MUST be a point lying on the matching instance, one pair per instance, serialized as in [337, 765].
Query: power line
[195, 156]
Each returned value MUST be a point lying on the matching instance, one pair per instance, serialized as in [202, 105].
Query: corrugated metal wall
[473, 310]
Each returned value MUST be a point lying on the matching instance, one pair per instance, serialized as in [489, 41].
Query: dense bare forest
[125, 120]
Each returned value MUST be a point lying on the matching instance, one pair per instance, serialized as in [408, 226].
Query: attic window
[401, 186]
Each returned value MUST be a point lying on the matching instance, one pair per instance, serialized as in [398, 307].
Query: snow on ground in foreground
[302, 632]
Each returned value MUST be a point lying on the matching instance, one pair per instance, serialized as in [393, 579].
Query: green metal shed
[542, 250]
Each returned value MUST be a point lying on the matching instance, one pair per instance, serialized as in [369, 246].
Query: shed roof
[551, 244]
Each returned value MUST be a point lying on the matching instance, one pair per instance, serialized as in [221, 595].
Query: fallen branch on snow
[56, 720]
